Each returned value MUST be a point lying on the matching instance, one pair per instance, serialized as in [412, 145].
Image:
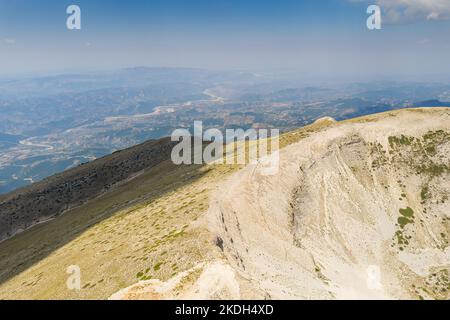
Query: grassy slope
[143, 229]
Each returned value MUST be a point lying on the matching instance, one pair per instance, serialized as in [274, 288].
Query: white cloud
[406, 11]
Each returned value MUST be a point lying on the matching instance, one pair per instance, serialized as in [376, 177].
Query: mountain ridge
[161, 235]
[44, 200]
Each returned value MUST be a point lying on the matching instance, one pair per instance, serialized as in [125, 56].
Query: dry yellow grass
[144, 229]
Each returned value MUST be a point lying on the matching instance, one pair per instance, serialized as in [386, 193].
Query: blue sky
[326, 38]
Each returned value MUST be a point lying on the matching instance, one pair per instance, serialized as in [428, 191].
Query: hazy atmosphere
[311, 38]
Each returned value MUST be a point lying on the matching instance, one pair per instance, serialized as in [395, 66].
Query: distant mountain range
[54, 123]
[432, 103]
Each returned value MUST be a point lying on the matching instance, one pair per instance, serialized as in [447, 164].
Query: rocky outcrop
[359, 210]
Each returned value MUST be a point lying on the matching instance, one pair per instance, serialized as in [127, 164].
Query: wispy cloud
[400, 11]
[408, 11]
[9, 41]
[424, 41]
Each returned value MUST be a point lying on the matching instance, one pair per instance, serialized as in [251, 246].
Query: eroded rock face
[216, 280]
[358, 210]
[49, 198]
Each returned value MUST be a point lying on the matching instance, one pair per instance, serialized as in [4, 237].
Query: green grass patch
[408, 212]
[158, 266]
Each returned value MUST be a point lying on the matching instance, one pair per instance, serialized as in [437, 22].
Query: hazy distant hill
[64, 120]
[432, 103]
[29, 87]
